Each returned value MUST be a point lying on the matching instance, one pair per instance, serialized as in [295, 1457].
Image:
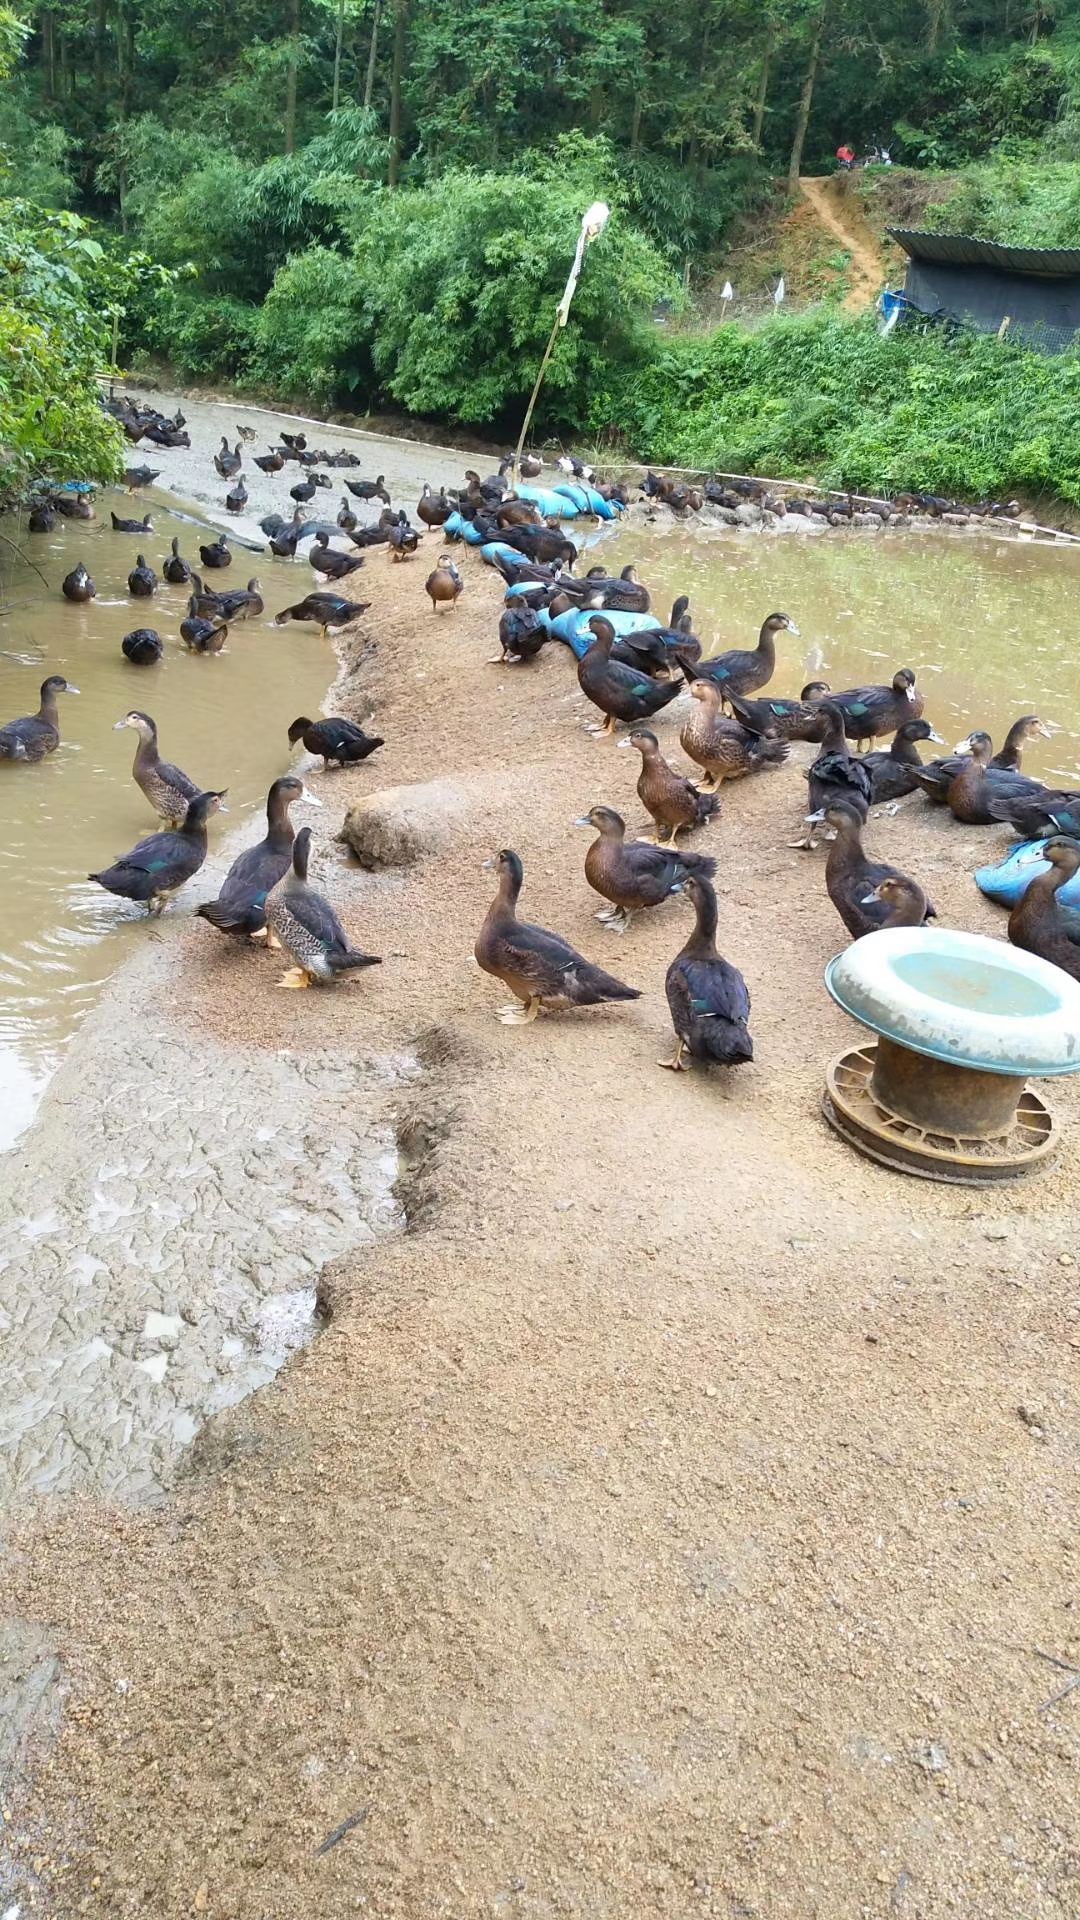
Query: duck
[228, 462]
[444, 584]
[75, 506]
[305, 924]
[706, 995]
[836, 775]
[569, 464]
[340, 742]
[271, 462]
[346, 518]
[217, 554]
[143, 647]
[144, 525]
[306, 489]
[521, 635]
[1053, 811]
[41, 518]
[247, 434]
[200, 635]
[433, 509]
[77, 585]
[789, 719]
[530, 466]
[627, 594]
[404, 540]
[672, 800]
[871, 711]
[142, 580]
[175, 569]
[327, 560]
[741, 670]
[236, 603]
[978, 787]
[542, 544]
[38, 733]
[323, 610]
[542, 970]
[296, 442]
[140, 477]
[237, 497]
[633, 875]
[169, 790]
[159, 866]
[725, 748]
[1038, 923]
[369, 489]
[850, 876]
[289, 533]
[904, 902]
[621, 692]
[936, 777]
[240, 907]
[379, 534]
[894, 771]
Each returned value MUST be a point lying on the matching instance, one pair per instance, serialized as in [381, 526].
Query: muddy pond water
[988, 624]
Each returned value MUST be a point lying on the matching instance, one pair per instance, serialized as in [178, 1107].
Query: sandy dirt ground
[840, 213]
[679, 1520]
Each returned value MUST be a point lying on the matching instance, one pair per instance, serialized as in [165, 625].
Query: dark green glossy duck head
[918, 730]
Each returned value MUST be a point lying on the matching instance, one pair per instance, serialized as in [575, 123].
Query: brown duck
[443, 584]
[851, 879]
[633, 874]
[978, 786]
[541, 970]
[723, 747]
[1038, 922]
[672, 800]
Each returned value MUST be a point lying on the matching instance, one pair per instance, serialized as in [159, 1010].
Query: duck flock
[630, 665]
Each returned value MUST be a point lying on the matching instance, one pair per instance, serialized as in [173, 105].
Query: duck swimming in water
[175, 569]
[323, 610]
[240, 907]
[142, 580]
[201, 635]
[541, 969]
[707, 996]
[143, 647]
[169, 790]
[131, 526]
[77, 585]
[39, 733]
[305, 924]
[217, 554]
[158, 866]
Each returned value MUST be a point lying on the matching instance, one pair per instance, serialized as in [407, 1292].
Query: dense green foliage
[55, 286]
[824, 393]
[373, 202]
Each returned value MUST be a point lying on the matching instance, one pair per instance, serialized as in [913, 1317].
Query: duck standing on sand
[895, 770]
[169, 790]
[158, 866]
[742, 670]
[725, 748]
[836, 775]
[706, 995]
[38, 733]
[305, 924]
[851, 879]
[672, 800]
[632, 874]
[240, 907]
[870, 711]
[621, 692]
[542, 971]
[936, 777]
[444, 584]
[339, 741]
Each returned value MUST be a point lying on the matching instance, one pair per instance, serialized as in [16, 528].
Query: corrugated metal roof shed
[960, 250]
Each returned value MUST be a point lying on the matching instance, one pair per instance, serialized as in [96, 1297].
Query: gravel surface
[678, 1520]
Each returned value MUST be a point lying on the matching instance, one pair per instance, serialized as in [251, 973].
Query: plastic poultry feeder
[962, 1021]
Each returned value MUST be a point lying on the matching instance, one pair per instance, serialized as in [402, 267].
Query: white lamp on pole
[593, 222]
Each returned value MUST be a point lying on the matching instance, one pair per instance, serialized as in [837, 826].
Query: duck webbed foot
[516, 1015]
[295, 978]
[676, 1064]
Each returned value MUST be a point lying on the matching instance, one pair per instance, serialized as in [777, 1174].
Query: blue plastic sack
[551, 501]
[1010, 879]
[573, 626]
[588, 500]
[495, 550]
[458, 529]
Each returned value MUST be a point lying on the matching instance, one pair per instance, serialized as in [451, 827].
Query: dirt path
[834, 210]
[653, 1530]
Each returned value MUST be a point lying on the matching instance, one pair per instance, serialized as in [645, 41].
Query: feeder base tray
[860, 1118]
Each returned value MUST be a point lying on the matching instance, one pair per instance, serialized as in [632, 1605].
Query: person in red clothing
[846, 156]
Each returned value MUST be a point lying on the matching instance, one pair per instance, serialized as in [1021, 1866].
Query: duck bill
[583, 819]
[311, 798]
[624, 743]
[870, 899]
[70, 689]
[937, 738]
